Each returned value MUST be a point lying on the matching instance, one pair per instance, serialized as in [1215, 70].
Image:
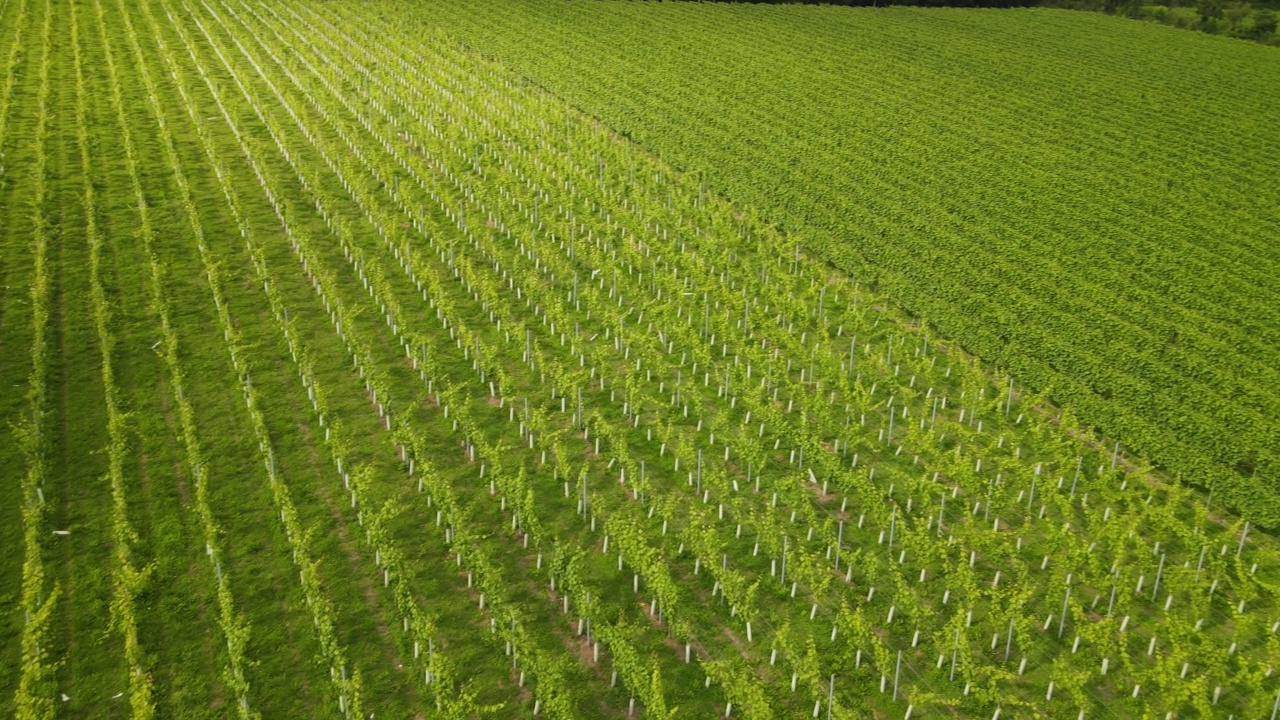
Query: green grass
[15, 347]
[77, 464]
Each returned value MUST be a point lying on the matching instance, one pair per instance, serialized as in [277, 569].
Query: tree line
[1245, 19]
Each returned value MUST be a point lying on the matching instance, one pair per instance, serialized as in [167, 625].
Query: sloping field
[1090, 203]
[351, 375]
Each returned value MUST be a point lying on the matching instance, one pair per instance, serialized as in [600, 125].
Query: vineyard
[1086, 202]
[354, 375]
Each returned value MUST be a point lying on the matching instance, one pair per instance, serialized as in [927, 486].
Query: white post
[896, 674]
